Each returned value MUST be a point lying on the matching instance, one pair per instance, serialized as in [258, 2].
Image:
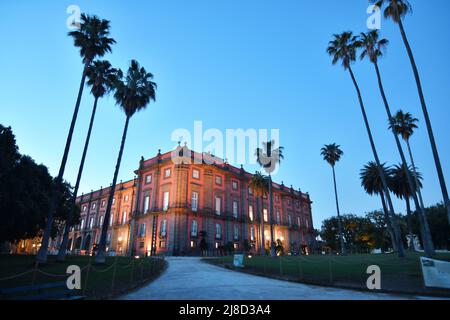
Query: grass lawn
[96, 280]
[397, 275]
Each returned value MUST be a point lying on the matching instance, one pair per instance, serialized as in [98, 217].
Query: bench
[45, 291]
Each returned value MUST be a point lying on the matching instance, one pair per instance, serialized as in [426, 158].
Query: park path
[188, 278]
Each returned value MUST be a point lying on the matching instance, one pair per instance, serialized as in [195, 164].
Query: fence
[116, 276]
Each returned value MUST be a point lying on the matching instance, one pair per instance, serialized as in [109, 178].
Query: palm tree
[404, 125]
[101, 77]
[268, 157]
[93, 40]
[397, 10]
[371, 182]
[133, 93]
[342, 48]
[260, 185]
[373, 48]
[400, 187]
[332, 153]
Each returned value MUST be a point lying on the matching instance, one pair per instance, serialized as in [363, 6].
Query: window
[195, 174]
[236, 245]
[114, 201]
[82, 224]
[141, 244]
[194, 201]
[194, 228]
[252, 233]
[124, 217]
[94, 205]
[218, 180]
[236, 232]
[126, 198]
[235, 209]
[307, 223]
[289, 202]
[143, 230]
[146, 203]
[84, 208]
[234, 185]
[167, 173]
[91, 223]
[108, 237]
[103, 203]
[277, 198]
[166, 201]
[218, 205]
[298, 221]
[148, 179]
[218, 231]
[193, 244]
[266, 216]
[250, 212]
[162, 244]
[111, 219]
[278, 217]
[163, 231]
[101, 221]
[289, 219]
[250, 191]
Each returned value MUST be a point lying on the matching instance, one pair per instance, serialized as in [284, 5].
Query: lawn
[118, 275]
[397, 275]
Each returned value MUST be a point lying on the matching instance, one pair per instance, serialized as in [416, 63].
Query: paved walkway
[188, 278]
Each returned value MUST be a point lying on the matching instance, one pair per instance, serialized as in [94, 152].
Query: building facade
[176, 205]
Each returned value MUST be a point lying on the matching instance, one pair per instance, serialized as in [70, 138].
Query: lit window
[126, 198]
[162, 244]
[236, 232]
[101, 221]
[250, 212]
[195, 174]
[250, 191]
[148, 179]
[234, 185]
[91, 223]
[194, 201]
[163, 231]
[143, 230]
[235, 209]
[103, 203]
[266, 216]
[124, 217]
[166, 201]
[218, 180]
[93, 206]
[146, 203]
[82, 224]
[236, 245]
[289, 219]
[194, 228]
[218, 205]
[114, 201]
[218, 231]
[278, 217]
[167, 173]
[84, 208]
[111, 220]
[252, 233]
[298, 221]
[192, 244]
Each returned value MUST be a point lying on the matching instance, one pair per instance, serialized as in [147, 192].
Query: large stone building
[171, 205]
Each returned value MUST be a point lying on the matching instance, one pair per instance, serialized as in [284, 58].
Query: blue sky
[231, 64]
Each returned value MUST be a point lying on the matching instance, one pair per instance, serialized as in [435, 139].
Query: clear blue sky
[231, 64]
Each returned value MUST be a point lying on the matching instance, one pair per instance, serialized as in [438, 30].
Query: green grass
[96, 280]
[399, 275]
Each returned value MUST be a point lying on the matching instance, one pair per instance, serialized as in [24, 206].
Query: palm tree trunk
[388, 222]
[380, 170]
[409, 224]
[273, 251]
[437, 161]
[263, 240]
[427, 241]
[41, 256]
[341, 234]
[65, 240]
[419, 193]
[100, 258]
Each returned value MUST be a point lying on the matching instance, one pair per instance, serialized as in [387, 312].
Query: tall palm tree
[260, 186]
[101, 77]
[133, 92]
[397, 10]
[342, 48]
[400, 187]
[373, 48]
[332, 153]
[371, 182]
[404, 125]
[93, 40]
[268, 158]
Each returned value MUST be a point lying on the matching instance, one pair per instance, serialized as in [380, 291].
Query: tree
[373, 48]
[133, 92]
[260, 185]
[381, 235]
[332, 153]
[397, 11]
[401, 189]
[371, 182]
[268, 157]
[93, 40]
[343, 48]
[101, 77]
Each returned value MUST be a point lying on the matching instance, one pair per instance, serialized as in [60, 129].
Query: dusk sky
[230, 64]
